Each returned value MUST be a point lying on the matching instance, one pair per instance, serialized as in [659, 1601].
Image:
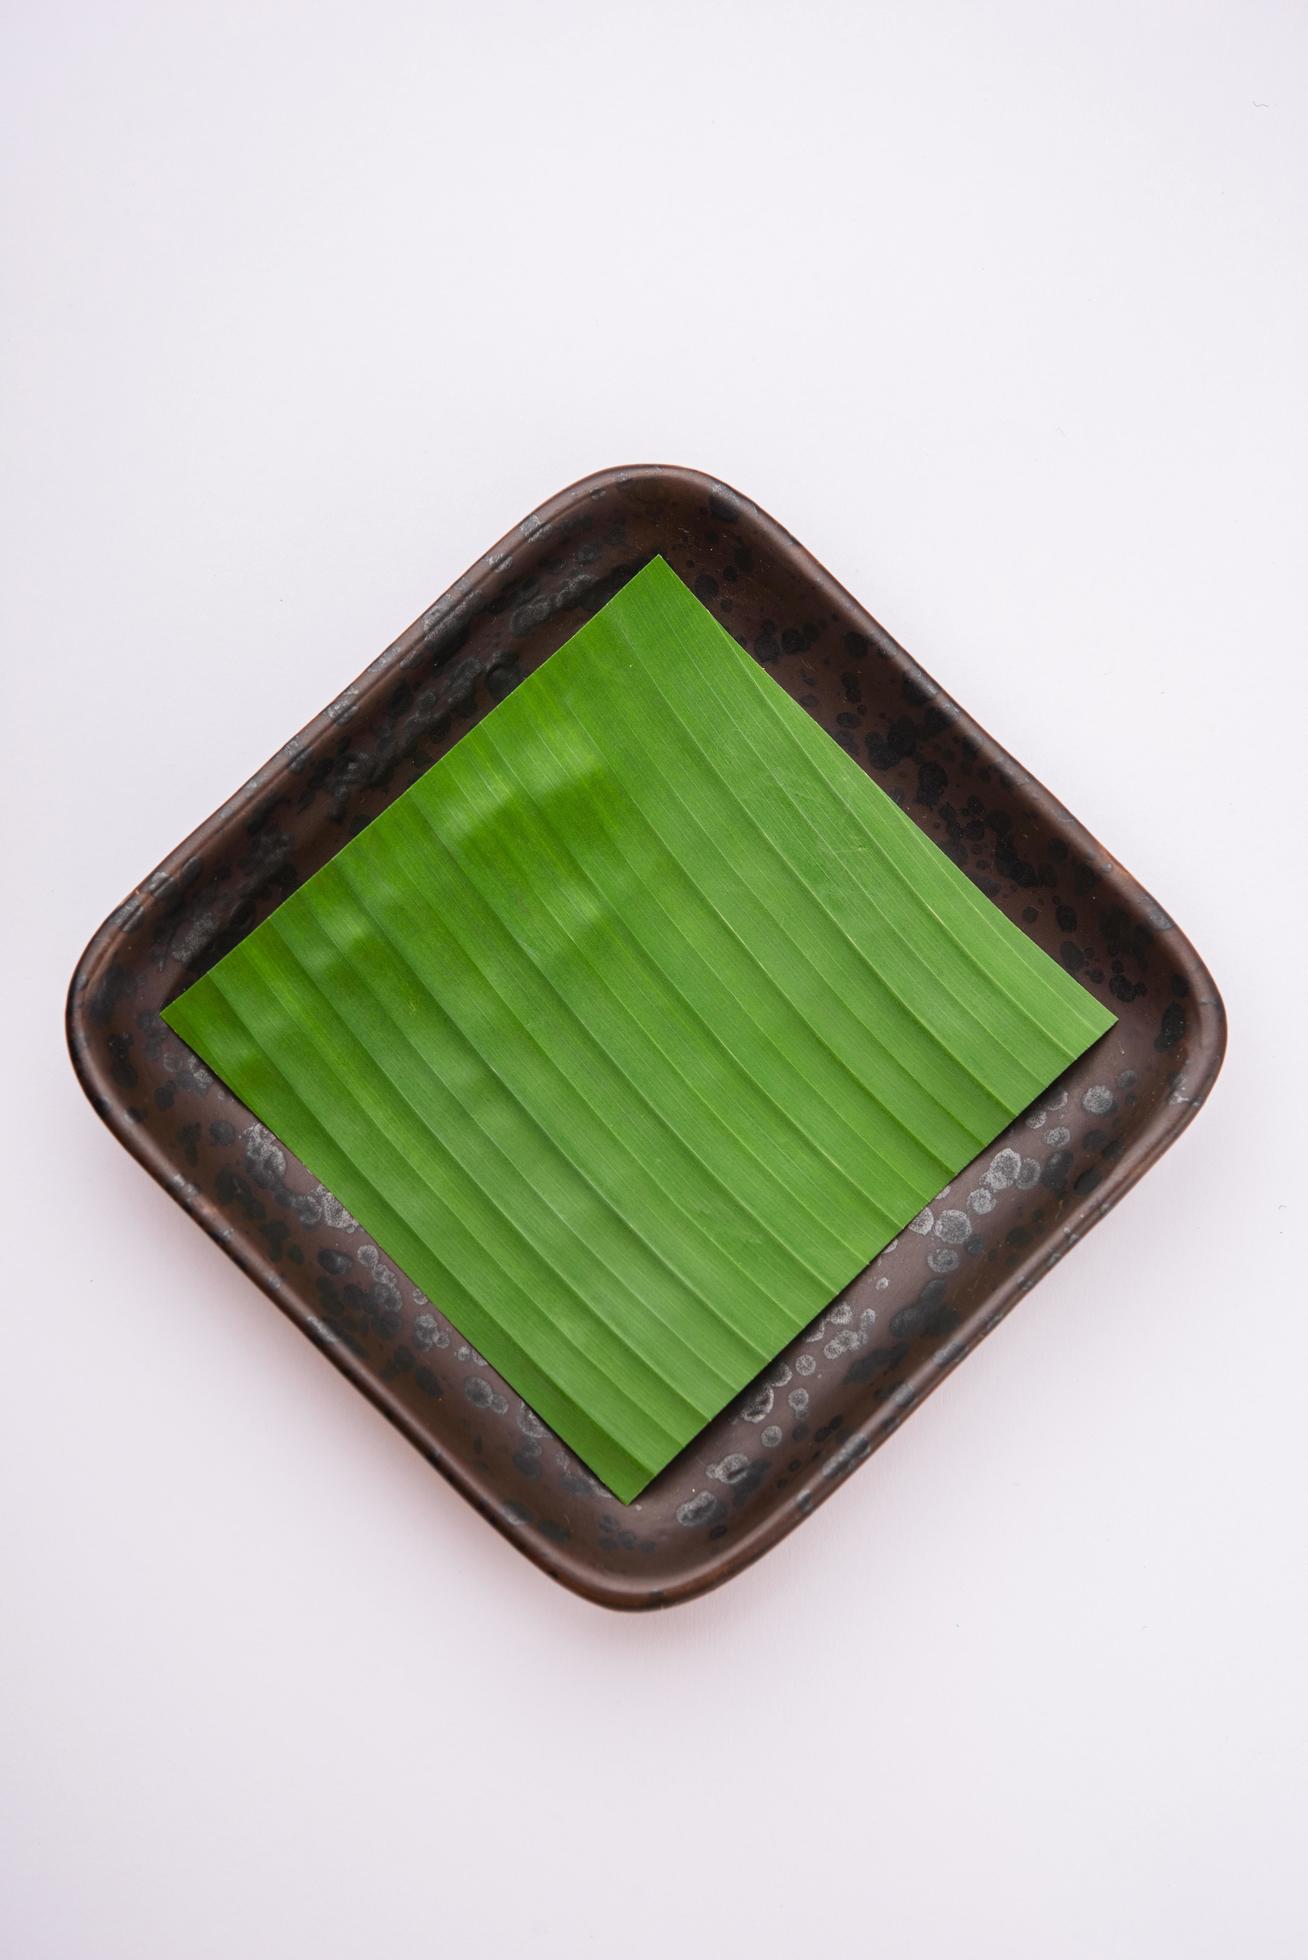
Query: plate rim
[1205, 1046]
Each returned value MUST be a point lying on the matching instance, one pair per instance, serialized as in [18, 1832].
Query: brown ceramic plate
[850, 1379]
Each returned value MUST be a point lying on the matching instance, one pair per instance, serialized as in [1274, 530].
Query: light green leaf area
[637, 1027]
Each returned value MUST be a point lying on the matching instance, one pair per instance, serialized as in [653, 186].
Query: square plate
[850, 1378]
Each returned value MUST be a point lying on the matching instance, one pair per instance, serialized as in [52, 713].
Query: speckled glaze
[841, 1388]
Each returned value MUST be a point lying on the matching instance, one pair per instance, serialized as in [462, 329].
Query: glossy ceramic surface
[851, 1378]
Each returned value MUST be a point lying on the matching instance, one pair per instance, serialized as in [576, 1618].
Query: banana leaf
[636, 1027]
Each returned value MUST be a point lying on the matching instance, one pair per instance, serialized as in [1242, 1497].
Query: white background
[1002, 309]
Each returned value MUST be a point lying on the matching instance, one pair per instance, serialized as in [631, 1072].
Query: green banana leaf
[637, 1027]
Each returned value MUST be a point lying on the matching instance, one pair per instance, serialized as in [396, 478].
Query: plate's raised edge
[1206, 1046]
